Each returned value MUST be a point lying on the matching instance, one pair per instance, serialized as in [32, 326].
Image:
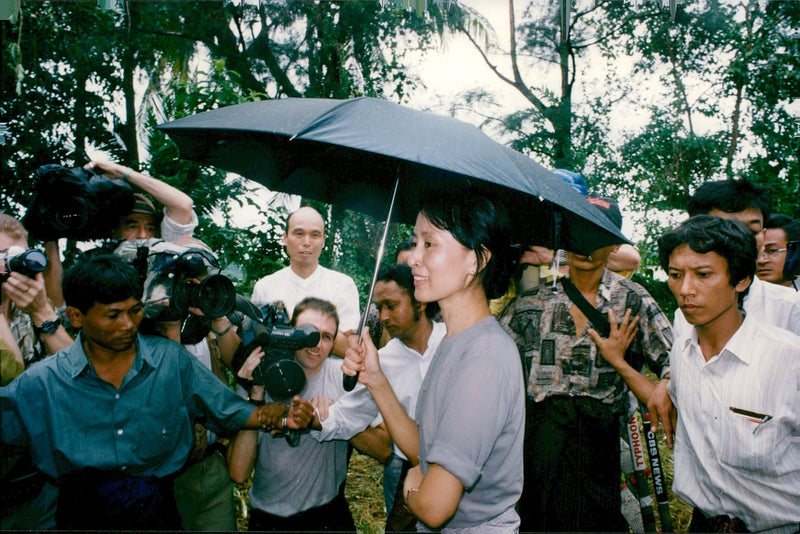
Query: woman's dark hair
[730, 239]
[105, 279]
[789, 226]
[320, 305]
[481, 225]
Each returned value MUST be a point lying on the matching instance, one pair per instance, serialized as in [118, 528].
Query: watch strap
[48, 328]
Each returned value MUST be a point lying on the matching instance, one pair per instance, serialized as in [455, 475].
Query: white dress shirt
[737, 445]
[404, 368]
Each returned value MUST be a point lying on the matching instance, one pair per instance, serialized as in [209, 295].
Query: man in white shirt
[736, 386]
[777, 305]
[304, 238]
[404, 359]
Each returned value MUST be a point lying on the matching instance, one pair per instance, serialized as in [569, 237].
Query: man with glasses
[779, 230]
[773, 304]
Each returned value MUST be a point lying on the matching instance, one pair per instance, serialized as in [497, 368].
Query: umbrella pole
[351, 381]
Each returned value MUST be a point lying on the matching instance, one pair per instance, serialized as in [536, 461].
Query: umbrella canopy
[350, 153]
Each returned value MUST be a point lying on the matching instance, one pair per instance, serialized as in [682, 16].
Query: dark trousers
[571, 467]
[719, 523]
[91, 499]
[400, 519]
[332, 517]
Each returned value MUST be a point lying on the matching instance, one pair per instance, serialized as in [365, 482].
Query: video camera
[75, 203]
[27, 262]
[278, 372]
[177, 277]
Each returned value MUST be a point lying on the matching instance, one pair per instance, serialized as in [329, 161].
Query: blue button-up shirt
[73, 419]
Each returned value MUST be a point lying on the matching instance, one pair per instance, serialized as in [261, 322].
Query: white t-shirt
[335, 287]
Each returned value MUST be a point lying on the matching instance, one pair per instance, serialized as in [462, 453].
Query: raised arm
[178, 204]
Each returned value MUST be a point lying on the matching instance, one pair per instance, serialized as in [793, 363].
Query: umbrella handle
[349, 382]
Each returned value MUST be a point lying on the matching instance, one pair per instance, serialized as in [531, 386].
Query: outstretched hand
[619, 339]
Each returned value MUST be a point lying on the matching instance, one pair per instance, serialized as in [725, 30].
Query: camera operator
[297, 486]
[177, 221]
[36, 326]
[203, 490]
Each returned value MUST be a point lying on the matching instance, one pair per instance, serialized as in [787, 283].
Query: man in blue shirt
[110, 418]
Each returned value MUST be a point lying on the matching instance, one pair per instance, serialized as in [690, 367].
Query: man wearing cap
[144, 221]
[577, 387]
[177, 221]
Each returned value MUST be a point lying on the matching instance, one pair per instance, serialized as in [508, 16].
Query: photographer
[297, 486]
[203, 490]
[177, 221]
[35, 324]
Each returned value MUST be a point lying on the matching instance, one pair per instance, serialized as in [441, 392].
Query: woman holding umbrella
[468, 435]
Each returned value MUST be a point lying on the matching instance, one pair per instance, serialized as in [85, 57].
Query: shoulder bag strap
[596, 317]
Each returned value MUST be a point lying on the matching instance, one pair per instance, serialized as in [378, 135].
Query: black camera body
[278, 372]
[75, 203]
[26, 262]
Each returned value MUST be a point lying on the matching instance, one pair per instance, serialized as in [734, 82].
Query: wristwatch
[48, 328]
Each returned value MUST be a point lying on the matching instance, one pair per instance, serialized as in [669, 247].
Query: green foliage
[658, 289]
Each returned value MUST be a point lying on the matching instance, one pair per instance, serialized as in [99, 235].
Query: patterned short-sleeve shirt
[558, 360]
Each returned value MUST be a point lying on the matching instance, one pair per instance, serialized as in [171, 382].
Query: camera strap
[595, 316]
[598, 320]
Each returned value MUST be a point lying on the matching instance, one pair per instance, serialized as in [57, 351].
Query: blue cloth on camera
[73, 419]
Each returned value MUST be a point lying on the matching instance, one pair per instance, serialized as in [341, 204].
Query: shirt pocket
[753, 446]
[161, 432]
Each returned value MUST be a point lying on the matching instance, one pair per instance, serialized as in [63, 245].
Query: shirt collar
[740, 345]
[78, 362]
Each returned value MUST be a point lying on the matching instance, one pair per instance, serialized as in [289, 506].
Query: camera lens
[282, 379]
[28, 263]
[215, 296]
[71, 215]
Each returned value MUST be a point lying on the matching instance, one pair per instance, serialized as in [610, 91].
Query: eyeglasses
[771, 252]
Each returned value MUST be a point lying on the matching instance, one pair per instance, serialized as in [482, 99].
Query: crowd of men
[105, 426]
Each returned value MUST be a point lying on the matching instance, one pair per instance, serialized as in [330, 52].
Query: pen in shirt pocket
[754, 417]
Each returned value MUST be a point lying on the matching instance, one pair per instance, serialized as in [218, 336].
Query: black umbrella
[358, 153]
[350, 153]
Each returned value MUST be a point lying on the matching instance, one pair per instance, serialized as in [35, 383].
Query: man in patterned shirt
[577, 384]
